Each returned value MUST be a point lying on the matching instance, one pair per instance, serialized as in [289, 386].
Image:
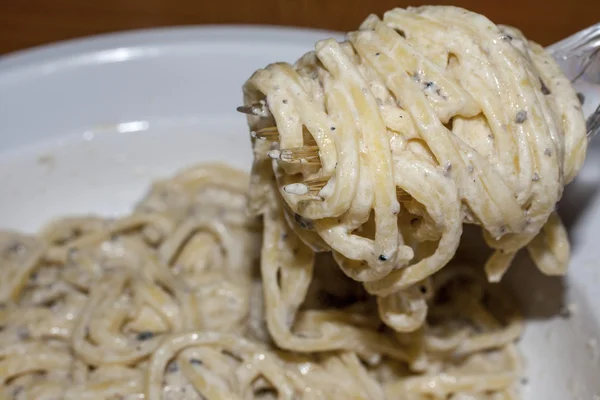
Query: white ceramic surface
[86, 125]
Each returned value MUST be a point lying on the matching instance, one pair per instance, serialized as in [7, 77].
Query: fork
[579, 57]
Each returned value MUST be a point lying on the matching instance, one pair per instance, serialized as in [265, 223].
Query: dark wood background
[26, 23]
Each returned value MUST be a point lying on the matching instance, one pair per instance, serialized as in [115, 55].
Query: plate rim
[158, 37]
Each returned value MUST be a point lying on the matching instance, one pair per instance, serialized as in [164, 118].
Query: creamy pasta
[383, 146]
[335, 279]
[174, 302]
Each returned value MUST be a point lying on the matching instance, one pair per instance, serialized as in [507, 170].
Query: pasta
[189, 297]
[333, 276]
[384, 146]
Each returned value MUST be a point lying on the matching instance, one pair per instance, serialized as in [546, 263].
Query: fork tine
[259, 109]
[402, 195]
[579, 58]
[269, 133]
[593, 123]
[308, 155]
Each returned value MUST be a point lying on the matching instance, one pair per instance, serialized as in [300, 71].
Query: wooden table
[26, 23]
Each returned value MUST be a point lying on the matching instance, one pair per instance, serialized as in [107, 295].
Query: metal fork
[579, 57]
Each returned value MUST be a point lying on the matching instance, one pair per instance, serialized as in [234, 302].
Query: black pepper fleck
[23, 333]
[72, 252]
[17, 391]
[172, 367]
[303, 222]
[284, 101]
[195, 361]
[16, 248]
[382, 257]
[545, 89]
[521, 117]
[401, 33]
[333, 128]
[146, 335]
[507, 37]
[377, 54]
[428, 85]
[423, 289]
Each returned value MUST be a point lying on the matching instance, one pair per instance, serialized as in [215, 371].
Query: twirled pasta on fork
[383, 146]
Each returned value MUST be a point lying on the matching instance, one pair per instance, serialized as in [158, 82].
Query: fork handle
[579, 57]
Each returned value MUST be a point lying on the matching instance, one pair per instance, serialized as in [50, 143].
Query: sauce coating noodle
[172, 302]
[370, 155]
[383, 146]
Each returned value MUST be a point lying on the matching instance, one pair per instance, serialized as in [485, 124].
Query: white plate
[85, 126]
